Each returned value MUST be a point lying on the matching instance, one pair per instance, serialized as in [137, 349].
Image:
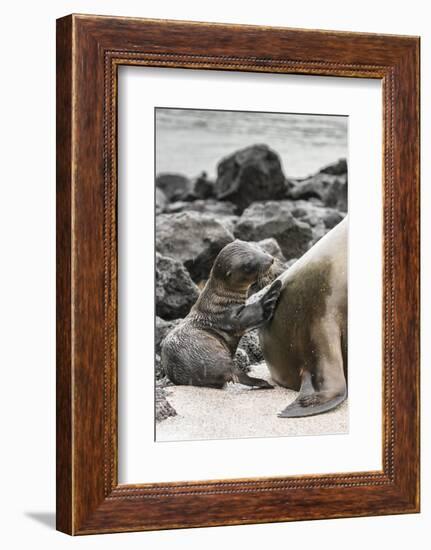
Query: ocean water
[190, 141]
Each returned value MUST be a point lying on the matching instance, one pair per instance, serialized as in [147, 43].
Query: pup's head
[240, 264]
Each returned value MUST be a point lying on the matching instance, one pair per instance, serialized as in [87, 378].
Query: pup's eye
[229, 273]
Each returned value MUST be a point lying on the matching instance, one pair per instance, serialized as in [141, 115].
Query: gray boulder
[271, 246]
[210, 206]
[251, 345]
[290, 263]
[336, 168]
[221, 211]
[163, 408]
[314, 214]
[202, 187]
[176, 187]
[319, 231]
[162, 329]
[333, 217]
[192, 238]
[337, 194]
[175, 291]
[161, 378]
[329, 188]
[251, 174]
[275, 219]
[158, 367]
[320, 218]
[241, 360]
[161, 201]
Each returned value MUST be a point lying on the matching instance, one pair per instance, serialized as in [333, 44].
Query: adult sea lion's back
[305, 343]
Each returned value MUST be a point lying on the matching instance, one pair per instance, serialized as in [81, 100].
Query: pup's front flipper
[247, 380]
[253, 315]
[269, 300]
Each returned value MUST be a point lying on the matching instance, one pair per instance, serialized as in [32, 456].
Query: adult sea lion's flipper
[310, 402]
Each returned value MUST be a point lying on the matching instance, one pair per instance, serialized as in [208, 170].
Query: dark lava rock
[161, 378]
[176, 187]
[330, 189]
[158, 367]
[290, 263]
[221, 211]
[210, 206]
[271, 246]
[320, 218]
[162, 329]
[179, 206]
[319, 231]
[241, 360]
[163, 408]
[275, 219]
[251, 174]
[175, 291]
[332, 218]
[161, 201]
[336, 168]
[314, 214]
[337, 194]
[251, 345]
[192, 238]
[202, 187]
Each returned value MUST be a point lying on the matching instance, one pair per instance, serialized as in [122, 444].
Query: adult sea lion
[200, 350]
[305, 343]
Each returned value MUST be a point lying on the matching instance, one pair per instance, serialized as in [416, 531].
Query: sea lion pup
[305, 343]
[200, 350]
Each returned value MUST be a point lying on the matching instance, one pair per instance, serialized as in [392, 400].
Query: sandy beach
[239, 412]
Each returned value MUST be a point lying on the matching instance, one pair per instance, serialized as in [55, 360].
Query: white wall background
[27, 239]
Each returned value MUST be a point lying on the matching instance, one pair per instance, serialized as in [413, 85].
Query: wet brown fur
[200, 350]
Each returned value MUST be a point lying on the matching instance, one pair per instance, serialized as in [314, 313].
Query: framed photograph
[237, 274]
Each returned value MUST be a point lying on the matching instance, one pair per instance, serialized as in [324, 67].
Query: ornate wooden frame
[89, 51]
